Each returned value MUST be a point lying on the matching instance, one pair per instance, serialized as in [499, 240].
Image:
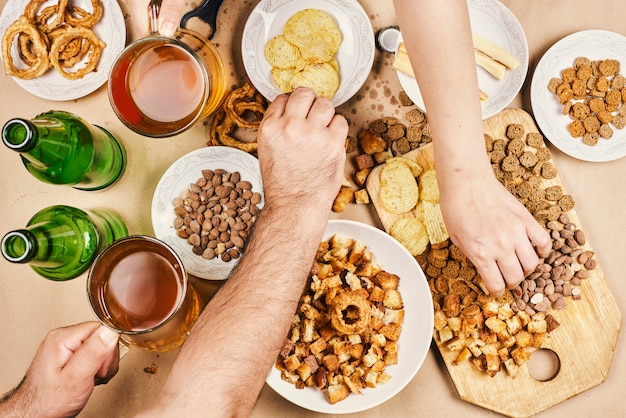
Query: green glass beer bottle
[60, 242]
[61, 148]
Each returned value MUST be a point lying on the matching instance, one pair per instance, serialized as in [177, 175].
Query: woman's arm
[484, 220]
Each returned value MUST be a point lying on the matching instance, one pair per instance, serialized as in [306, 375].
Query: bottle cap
[387, 39]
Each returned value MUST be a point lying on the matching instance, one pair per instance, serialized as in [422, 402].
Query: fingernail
[107, 335]
[168, 28]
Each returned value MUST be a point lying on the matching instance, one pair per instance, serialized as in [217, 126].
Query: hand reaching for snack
[494, 230]
[320, 148]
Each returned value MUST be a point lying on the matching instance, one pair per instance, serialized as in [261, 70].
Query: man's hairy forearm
[265, 287]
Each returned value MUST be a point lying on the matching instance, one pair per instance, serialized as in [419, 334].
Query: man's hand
[68, 364]
[302, 149]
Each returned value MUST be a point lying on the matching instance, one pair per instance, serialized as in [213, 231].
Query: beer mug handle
[207, 12]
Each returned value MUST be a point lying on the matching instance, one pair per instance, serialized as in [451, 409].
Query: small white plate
[52, 86]
[355, 55]
[176, 179]
[495, 22]
[417, 329]
[595, 45]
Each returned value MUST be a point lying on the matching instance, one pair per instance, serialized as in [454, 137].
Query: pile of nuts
[558, 275]
[216, 213]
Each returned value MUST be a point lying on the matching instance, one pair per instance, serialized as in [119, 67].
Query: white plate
[595, 45]
[415, 338]
[187, 170]
[355, 55]
[52, 86]
[495, 22]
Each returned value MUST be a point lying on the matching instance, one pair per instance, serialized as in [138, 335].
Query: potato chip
[321, 78]
[429, 189]
[436, 228]
[280, 53]
[282, 77]
[398, 188]
[415, 167]
[411, 233]
[315, 33]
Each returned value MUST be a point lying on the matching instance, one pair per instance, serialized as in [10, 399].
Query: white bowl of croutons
[363, 326]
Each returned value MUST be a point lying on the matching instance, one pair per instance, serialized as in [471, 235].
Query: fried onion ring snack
[243, 108]
[40, 65]
[58, 35]
[70, 35]
[75, 16]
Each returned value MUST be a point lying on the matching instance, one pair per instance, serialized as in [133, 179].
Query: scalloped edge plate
[176, 179]
[52, 86]
[593, 44]
[415, 339]
[355, 55]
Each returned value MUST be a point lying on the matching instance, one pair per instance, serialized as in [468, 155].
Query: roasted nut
[215, 214]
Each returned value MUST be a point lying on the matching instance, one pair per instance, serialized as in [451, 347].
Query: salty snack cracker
[303, 55]
[281, 53]
[315, 33]
[433, 219]
[429, 189]
[416, 168]
[322, 78]
[398, 188]
[411, 233]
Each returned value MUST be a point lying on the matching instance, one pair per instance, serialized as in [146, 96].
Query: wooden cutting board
[584, 342]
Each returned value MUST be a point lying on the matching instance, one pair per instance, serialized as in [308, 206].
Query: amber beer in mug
[138, 287]
[160, 86]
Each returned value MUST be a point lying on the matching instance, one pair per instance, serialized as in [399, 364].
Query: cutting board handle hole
[544, 365]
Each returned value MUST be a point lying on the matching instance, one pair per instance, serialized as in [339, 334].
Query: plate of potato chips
[325, 45]
[375, 370]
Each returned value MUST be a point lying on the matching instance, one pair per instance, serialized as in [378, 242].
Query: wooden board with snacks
[586, 331]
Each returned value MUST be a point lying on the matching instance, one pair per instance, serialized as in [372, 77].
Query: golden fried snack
[75, 16]
[41, 63]
[315, 33]
[43, 21]
[70, 34]
[324, 348]
[57, 35]
[304, 53]
[350, 312]
[322, 78]
[280, 53]
[243, 108]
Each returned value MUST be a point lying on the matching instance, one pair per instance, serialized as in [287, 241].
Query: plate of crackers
[577, 95]
[325, 45]
[363, 326]
[204, 207]
[501, 53]
[61, 55]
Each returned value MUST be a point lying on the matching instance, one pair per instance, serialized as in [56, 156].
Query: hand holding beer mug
[160, 86]
[138, 287]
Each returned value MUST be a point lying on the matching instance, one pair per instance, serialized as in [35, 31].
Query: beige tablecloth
[30, 305]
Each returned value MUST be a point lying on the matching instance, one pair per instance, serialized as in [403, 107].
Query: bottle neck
[19, 246]
[20, 135]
